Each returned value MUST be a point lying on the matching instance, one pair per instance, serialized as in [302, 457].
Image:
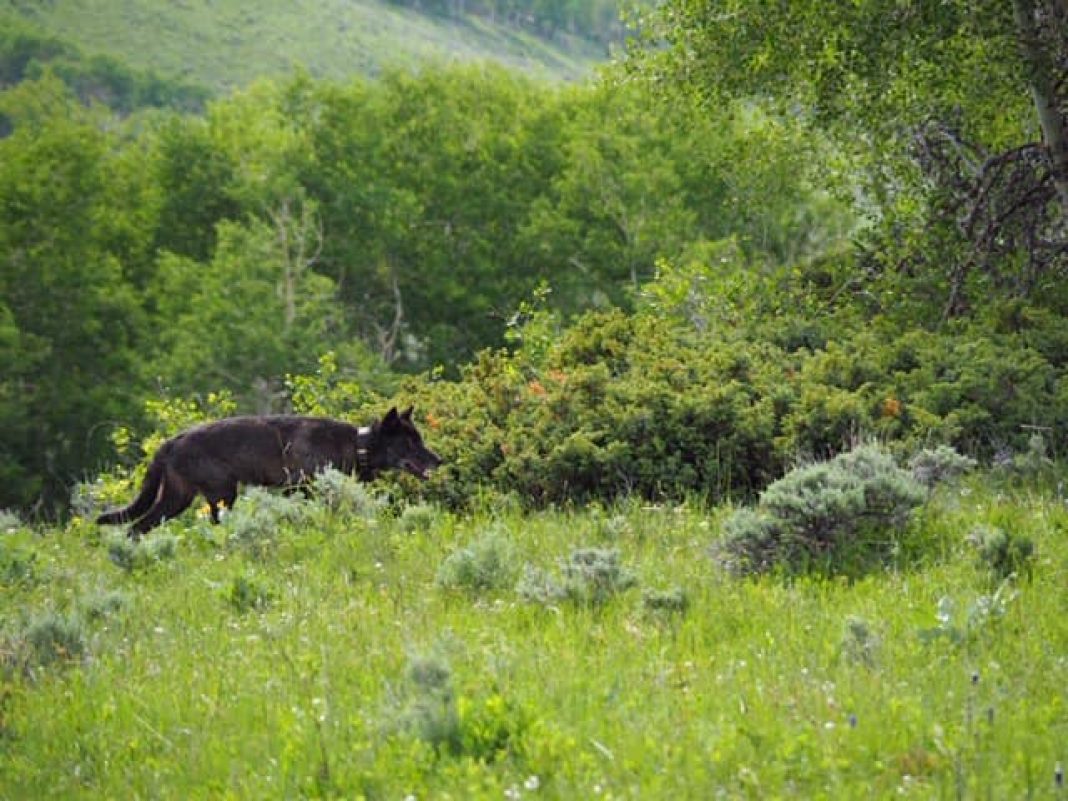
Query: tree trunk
[1041, 59]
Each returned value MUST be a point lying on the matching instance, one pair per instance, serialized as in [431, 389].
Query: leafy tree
[251, 316]
[70, 320]
[194, 178]
[942, 100]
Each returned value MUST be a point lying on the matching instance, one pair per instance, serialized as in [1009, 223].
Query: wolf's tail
[144, 500]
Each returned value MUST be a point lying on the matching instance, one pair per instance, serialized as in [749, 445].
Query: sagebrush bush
[259, 516]
[487, 563]
[18, 562]
[49, 639]
[9, 521]
[429, 708]
[1003, 552]
[103, 604]
[588, 577]
[860, 642]
[933, 466]
[670, 601]
[828, 515]
[417, 517]
[345, 494]
[133, 555]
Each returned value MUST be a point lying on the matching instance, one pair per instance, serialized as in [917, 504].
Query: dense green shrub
[617, 406]
[836, 515]
[629, 405]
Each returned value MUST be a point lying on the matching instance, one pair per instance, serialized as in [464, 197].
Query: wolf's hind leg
[174, 499]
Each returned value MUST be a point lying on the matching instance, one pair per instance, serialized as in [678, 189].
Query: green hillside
[228, 42]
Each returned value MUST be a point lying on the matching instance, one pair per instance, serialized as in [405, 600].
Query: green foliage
[974, 390]
[345, 495]
[68, 316]
[17, 560]
[665, 602]
[588, 578]
[246, 594]
[417, 517]
[103, 604]
[131, 555]
[933, 466]
[836, 516]
[860, 642]
[429, 713]
[490, 562]
[390, 224]
[268, 317]
[259, 518]
[430, 709]
[926, 117]
[1005, 553]
[50, 639]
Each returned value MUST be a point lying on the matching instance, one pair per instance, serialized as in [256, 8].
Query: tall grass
[338, 662]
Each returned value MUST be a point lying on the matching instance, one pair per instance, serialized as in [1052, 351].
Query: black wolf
[278, 450]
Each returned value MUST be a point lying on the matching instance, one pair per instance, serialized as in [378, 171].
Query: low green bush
[933, 466]
[132, 555]
[664, 602]
[246, 593]
[50, 639]
[488, 563]
[842, 514]
[589, 577]
[259, 516]
[1003, 552]
[430, 708]
[103, 604]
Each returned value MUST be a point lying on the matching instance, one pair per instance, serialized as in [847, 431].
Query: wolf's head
[399, 446]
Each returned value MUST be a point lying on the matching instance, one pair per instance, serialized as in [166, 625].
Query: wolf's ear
[391, 418]
[407, 413]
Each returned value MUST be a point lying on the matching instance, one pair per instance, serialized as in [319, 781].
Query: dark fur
[282, 450]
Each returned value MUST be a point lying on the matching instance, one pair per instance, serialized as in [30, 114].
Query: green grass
[322, 656]
[229, 43]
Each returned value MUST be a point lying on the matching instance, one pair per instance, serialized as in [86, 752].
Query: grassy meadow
[350, 647]
[228, 43]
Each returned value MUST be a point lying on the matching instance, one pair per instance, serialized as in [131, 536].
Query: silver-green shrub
[933, 466]
[824, 515]
[488, 563]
